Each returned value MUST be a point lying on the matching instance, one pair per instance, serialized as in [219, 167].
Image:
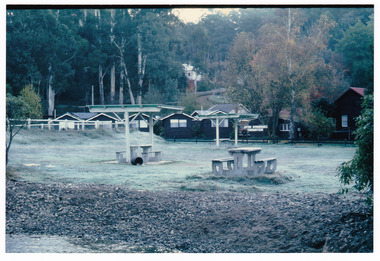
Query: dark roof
[228, 107]
[358, 90]
[173, 114]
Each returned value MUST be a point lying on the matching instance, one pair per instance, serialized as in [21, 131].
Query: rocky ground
[189, 221]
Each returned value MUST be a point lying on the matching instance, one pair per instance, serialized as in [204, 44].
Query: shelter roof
[104, 114]
[132, 108]
[84, 115]
[191, 117]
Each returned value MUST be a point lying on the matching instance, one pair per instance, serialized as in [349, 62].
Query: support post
[151, 130]
[66, 124]
[217, 132]
[127, 140]
[29, 124]
[236, 132]
[49, 124]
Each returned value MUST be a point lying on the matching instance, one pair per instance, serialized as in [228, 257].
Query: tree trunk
[128, 84]
[141, 61]
[113, 82]
[292, 126]
[92, 95]
[121, 89]
[124, 73]
[10, 130]
[101, 86]
[292, 87]
[51, 93]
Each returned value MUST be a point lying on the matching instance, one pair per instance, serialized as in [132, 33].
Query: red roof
[358, 90]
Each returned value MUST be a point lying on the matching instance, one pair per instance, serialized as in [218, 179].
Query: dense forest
[267, 58]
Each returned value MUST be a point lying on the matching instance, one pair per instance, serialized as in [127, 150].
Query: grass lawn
[89, 157]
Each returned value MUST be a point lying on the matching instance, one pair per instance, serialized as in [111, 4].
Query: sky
[193, 15]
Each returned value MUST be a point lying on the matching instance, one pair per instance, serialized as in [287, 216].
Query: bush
[359, 170]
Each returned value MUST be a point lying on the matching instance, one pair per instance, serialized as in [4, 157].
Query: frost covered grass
[89, 157]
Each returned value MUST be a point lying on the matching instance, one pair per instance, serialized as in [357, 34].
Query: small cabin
[226, 126]
[179, 126]
[347, 109]
[69, 119]
[253, 129]
[73, 120]
[104, 120]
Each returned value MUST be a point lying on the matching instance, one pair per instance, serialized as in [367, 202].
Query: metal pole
[127, 141]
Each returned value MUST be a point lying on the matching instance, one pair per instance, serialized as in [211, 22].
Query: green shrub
[359, 170]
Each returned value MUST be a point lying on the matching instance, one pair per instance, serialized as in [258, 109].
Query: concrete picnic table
[133, 153]
[239, 153]
[236, 167]
[145, 153]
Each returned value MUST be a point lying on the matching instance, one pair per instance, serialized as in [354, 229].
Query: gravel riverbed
[109, 218]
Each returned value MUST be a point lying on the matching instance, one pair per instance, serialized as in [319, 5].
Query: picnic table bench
[146, 155]
[217, 165]
[235, 164]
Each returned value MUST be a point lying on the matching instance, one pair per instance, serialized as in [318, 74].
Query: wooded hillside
[265, 57]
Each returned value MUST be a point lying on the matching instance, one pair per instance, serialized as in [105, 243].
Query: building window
[223, 124]
[182, 123]
[175, 123]
[284, 127]
[143, 124]
[344, 121]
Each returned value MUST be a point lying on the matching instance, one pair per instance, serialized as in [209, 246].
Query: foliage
[19, 108]
[239, 75]
[188, 101]
[65, 47]
[357, 46]
[153, 96]
[318, 124]
[359, 170]
[32, 103]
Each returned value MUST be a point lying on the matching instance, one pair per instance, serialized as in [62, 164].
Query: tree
[359, 170]
[357, 46]
[239, 74]
[318, 124]
[48, 48]
[19, 108]
[155, 49]
[189, 101]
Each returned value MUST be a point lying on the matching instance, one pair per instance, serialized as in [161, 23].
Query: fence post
[66, 124]
[42, 126]
[49, 124]
[82, 125]
[29, 122]
[97, 124]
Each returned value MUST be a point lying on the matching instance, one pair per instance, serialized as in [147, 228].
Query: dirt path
[189, 221]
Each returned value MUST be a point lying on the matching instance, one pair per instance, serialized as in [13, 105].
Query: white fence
[68, 124]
